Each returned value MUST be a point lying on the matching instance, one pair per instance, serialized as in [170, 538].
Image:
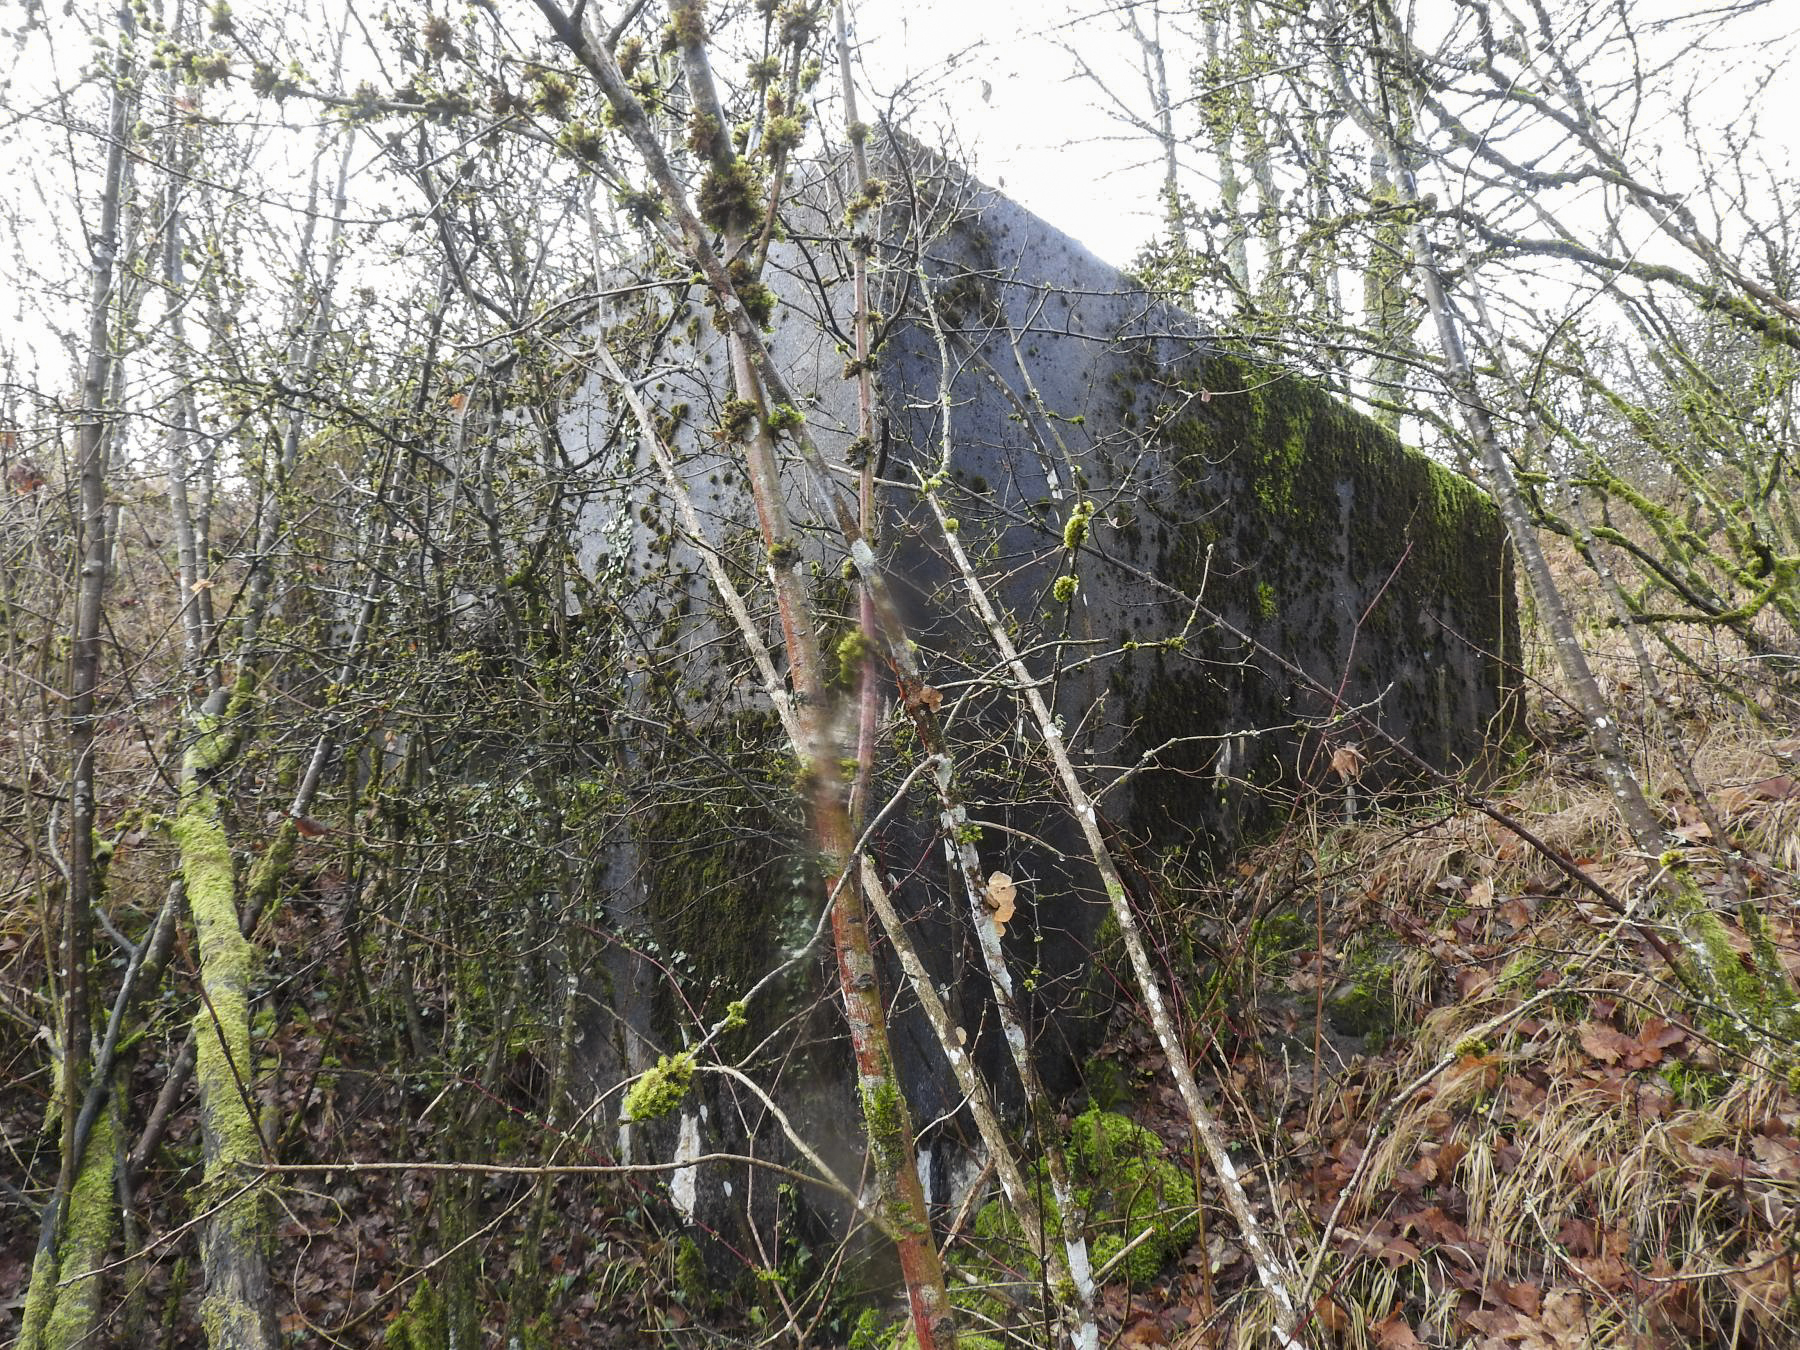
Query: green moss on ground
[692, 1280]
[1126, 1184]
[875, 1330]
[1363, 1004]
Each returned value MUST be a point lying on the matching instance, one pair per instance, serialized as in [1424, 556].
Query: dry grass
[1602, 1166]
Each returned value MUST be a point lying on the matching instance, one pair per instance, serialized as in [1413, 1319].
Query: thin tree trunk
[91, 440]
[238, 1309]
[178, 437]
[1074, 1265]
[1759, 1004]
[1218, 113]
[1273, 1270]
[887, 1118]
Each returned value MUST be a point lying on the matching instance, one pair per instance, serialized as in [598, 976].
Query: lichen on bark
[1756, 1003]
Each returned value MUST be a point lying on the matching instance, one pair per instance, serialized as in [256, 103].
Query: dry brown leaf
[1654, 1037]
[1331, 1315]
[1393, 1333]
[1764, 1287]
[1605, 1044]
[1001, 894]
[1347, 763]
[1525, 1296]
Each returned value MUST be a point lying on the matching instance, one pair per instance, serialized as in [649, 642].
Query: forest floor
[1521, 1131]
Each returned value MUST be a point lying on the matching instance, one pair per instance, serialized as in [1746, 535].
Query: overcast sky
[990, 77]
[999, 77]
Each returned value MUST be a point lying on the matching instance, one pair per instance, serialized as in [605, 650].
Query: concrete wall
[1212, 478]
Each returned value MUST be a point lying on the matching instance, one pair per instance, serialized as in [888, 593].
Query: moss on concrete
[1109, 1084]
[1290, 513]
[721, 891]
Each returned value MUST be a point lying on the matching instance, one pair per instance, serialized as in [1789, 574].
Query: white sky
[1042, 135]
[988, 76]
[1038, 133]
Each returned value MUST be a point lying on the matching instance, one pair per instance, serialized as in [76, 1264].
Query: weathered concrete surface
[1212, 478]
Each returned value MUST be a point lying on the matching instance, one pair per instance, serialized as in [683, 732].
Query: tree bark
[80, 893]
[239, 1308]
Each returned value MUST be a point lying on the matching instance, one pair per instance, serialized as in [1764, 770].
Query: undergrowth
[1487, 1096]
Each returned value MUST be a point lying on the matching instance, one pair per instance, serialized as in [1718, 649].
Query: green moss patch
[1127, 1186]
[421, 1325]
[720, 887]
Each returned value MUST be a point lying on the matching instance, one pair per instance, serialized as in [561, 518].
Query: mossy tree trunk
[238, 1312]
[89, 1228]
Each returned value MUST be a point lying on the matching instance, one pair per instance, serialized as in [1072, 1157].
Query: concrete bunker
[1070, 395]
